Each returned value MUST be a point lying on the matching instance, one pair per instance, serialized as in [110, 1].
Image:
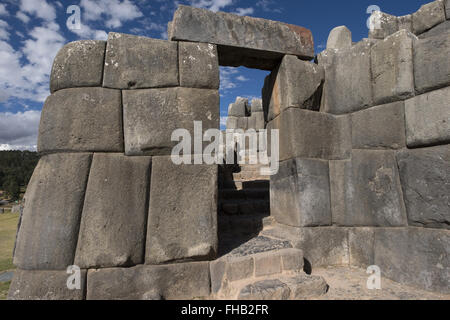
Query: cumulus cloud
[86, 32]
[116, 12]
[18, 131]
[39, 8]
[3, 11]
[223, 121]
[4, 34]
[22, 17]
[244, 11]
[213, 5]
[268, 6]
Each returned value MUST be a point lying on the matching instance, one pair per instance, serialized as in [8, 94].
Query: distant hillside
[16, 168]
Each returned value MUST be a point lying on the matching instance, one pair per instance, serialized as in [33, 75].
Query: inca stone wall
[365, 181]
[364, 173]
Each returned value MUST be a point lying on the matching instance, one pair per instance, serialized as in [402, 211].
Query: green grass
[8, 227]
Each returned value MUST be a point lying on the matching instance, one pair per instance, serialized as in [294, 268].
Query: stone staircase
[251, 266]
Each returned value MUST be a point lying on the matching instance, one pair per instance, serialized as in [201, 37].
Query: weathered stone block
[405, 23]
[181, 281]
[348, 85]
[47, 237]
[382, 25]
[78, 64]
[381, 127]
[428, 119]
[431, 62]
[256, 106]
[272, 289]
[134, 62]
[115, 204]
[238, 108]
[151, 116]
[304, 286]
[447, 9]
[252, 42]
[242, 123]
[182, 221]
[428, 16]
[438, 30]
[309, 134]
[267, 263]
[425, 177]
[378, 199]
[232, 122]
[300, 193]
[340, 38]
[342, 192]
[199, 65]
[45, 285]
[256, 121]
[362, 247]
[297, 85]
[415, 256]
[392, 68]
[82, 119]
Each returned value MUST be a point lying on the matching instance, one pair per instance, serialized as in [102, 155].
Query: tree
[12, 188]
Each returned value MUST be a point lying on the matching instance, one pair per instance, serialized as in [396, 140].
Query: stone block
[431, 62]
[362, 247]
[240, 268]
[272, 289]
[392, 68]
[242, 123]
[342, 192]
[199, 65]
[428, 119]
[415, 256]
[256, 106]
[232, 122]
[134, 62]
[252, 42]
[181, 281]
[309, 134]
[300, 193]
[305, 286]
[81, 119]
[348, 85]
[45, 285]
[297, 84]
[324, 246]
[256, 121]
[378, 199]
[48, 233]
[292, 260]
[112, 231]
[405, 23]
[381, 127]
[425, 177]
[340, 38]
[440, 29]
[182, 222]
[428, 16]
[78, 64]
[151, 116]
[382, 25]
[238, 108]
[267, 263]
[447, 9]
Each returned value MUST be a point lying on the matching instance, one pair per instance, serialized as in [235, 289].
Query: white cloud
[223, 121]
[242, 78]
[213, 5]
[23, 17]
[88, 33]
[3, 11]
[226, 78]
[266, 6]
[38, 8]
[244, 11]
[4, 34]
[18, 131]
[115, 11]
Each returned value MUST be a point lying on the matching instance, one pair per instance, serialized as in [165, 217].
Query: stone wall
[367, 179]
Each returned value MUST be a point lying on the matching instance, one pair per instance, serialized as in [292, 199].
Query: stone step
[258, 258]
[244, 207]
[246, 194]
[298, 287]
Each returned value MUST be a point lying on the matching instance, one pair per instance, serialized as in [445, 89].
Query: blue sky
[32, 32]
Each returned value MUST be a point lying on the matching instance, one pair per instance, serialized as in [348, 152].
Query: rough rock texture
[151, 116]
[428, 16]
[348, 84]
[256, 121]
[272, 289]
[340, 38]
[183, 281]
[297, 84]
[428, 119]
[78, 64]
[134, 62]
[232, 122]
[252, 42]
[425, 176]
[309, 134]
[382, 25]
[379, 127]
[238, 108]
[416, 256]
[81, 119]
[300, 193]
[392, 68]
[199, 65]
[45, 285]
[431, 62]
[182, 222]
[361, 245]
[256, 105]
[405, 23]
[112, 231]
[447, 9]
[342, 191]
[437, 30]
[48, 233]
[378, 197]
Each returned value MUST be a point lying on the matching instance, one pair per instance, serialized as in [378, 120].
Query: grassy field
[8, 227]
